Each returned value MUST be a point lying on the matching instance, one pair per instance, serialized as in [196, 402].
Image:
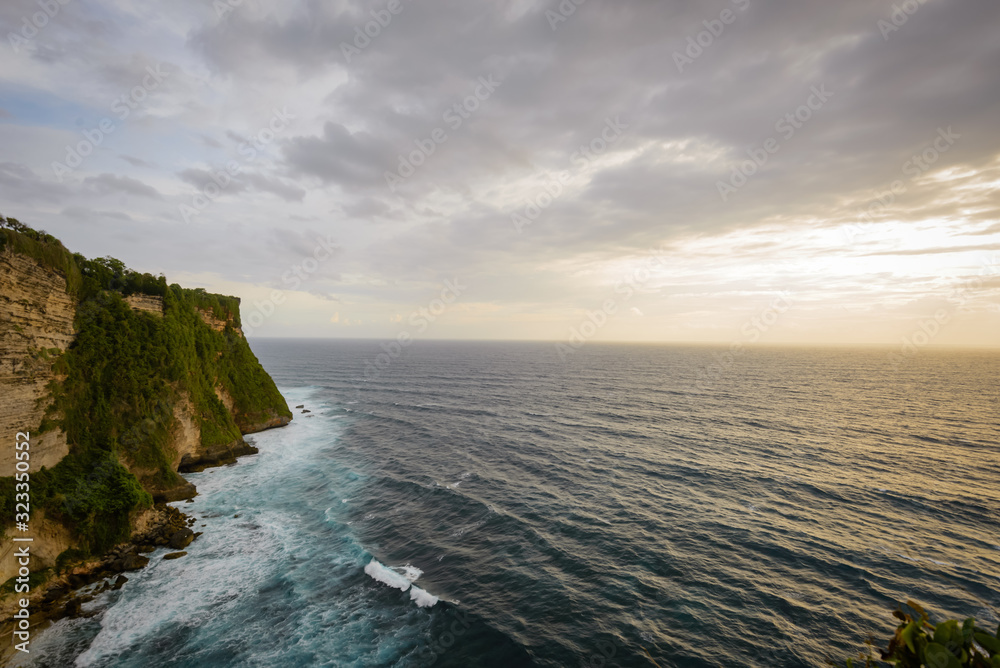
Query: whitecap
[422, 598]
[402, 578]
[386, 576]
[411, 573]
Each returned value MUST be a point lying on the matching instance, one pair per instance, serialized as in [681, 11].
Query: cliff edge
[123, 383]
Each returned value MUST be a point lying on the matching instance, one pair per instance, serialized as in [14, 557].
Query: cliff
[37, 324]
[124, 383]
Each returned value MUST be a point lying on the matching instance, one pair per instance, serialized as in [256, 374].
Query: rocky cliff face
[251, 424]
[148, 303]
[38, 324]
[217, 324]
[36, 327]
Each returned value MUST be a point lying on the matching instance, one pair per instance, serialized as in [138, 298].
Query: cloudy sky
[713, 170]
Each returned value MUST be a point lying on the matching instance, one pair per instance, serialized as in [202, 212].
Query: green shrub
[68, 557]
[950, 644]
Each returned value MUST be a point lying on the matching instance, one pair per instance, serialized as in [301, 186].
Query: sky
[724, 171]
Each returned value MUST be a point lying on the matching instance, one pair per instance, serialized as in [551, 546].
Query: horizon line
[707, 344]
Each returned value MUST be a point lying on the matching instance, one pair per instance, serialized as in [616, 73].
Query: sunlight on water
[604, 509]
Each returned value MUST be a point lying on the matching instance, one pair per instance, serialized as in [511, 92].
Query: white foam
[422, 598]
[402, 578]
[411, 573]
[941, 563]
[387, 576]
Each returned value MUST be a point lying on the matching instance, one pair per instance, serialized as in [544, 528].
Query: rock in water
[72, 607]
[120, 581]
[181, 539]
[54, 593]
[174, 555]
[134, 562]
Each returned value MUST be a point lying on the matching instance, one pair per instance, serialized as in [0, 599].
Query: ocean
[493, 504]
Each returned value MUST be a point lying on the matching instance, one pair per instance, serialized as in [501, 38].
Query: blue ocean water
[491, 504]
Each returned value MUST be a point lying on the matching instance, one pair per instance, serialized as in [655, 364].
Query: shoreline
[62, 594]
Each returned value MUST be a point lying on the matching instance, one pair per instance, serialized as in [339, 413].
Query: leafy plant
[950, 644]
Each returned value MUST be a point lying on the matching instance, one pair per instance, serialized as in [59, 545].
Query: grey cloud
[110, 184]
[243, 182]
[137, 162]
[286, 191]
[340, 156]
[210, 142]
[20, 183]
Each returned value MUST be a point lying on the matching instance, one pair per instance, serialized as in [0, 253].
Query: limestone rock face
[50, 538]
[271, 423]
[216, 455]
[216, 324]
[248, 424]
[36, 327]
[147, 303]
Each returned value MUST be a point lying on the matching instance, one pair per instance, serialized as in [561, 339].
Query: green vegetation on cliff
[123, 376]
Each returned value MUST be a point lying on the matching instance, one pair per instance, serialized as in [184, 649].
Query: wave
[402, 578]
